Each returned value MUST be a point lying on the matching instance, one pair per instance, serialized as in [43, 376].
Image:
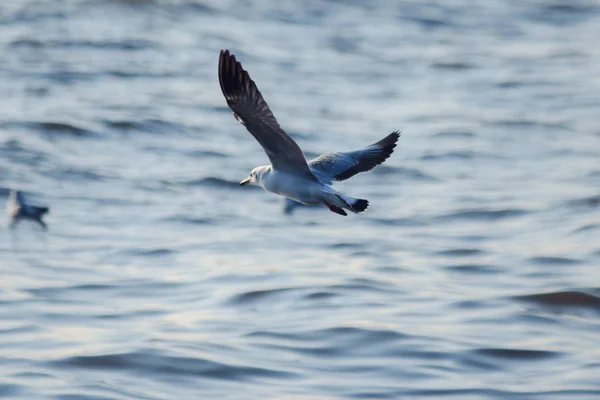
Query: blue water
[473, 275]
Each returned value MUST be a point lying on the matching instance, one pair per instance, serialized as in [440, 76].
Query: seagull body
[17, 209]
[304, 190]
[289, 174]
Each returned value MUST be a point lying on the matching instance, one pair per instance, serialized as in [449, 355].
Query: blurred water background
[473, 275]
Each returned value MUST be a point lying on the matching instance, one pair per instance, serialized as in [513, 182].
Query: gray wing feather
[250, 109]
[332, 167]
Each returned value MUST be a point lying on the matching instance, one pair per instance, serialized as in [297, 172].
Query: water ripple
[517, 354]
[213, 182]
[474, 268]
[256, 296]
[7, 390]
[186, 219]
[565, 299]
[586, 202]
[52, 128]
[460, 252]
[154, 363]
[157, 126]
[483, 214]
[128, 45]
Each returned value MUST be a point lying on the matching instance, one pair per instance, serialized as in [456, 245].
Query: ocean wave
[54, 129]
[565, 299]
[126, 44]
[547, 260]
[149, 125]
[214, 182]
[483, 214]
[152, 362]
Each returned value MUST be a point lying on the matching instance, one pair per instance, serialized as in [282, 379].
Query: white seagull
[17, 209]
[289, 174]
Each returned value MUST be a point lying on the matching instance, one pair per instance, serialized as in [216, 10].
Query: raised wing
[332, 167]
[252, 111]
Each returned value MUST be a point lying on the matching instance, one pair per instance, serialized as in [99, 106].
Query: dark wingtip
[226, 73]
[233, 78]
[379, 152]
[224, 55]
[360, 205]
[390, 141]
[387, 146]
[230, 73]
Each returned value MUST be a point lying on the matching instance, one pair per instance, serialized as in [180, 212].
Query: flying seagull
[18, 209]
[289, 174]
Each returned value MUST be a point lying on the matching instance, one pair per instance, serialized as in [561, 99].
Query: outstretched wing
[252, 111]
[332, 167]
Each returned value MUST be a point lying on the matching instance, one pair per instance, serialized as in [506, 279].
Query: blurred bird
[289, 174]
[17, 209]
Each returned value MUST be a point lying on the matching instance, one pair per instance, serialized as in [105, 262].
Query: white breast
[292, 186]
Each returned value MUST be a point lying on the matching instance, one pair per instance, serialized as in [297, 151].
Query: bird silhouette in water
[18, 209]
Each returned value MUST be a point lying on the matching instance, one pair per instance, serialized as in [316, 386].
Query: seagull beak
[245, 181]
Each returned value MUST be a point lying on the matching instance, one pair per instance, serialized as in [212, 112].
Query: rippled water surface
[474, 274]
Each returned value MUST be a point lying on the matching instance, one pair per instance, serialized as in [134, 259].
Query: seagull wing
[332, 167]
[252, 111]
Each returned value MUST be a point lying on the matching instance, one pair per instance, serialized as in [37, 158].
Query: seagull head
[256, 176]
